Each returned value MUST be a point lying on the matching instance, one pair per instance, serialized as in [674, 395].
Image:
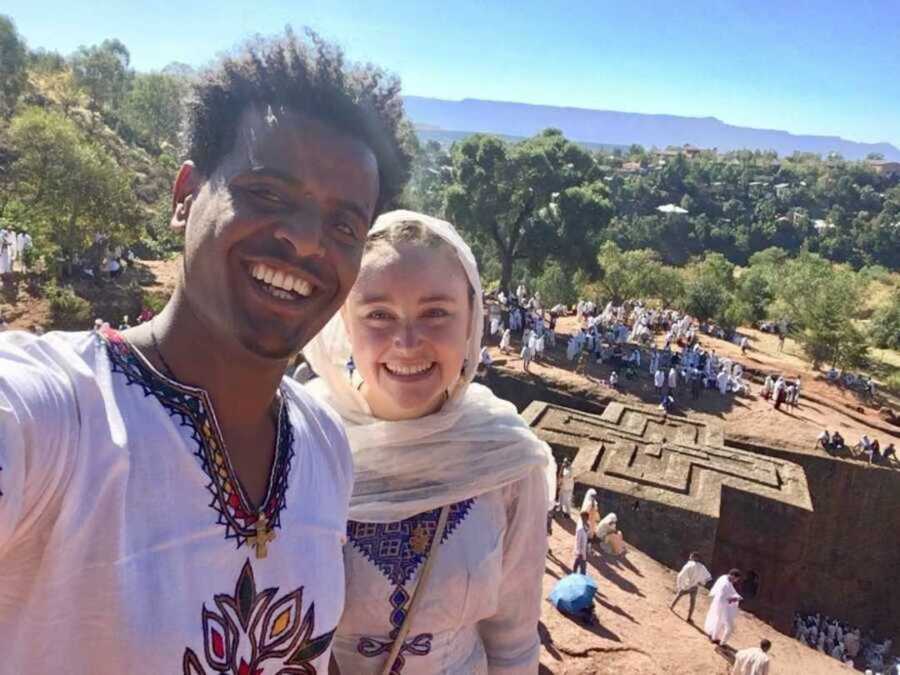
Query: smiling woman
[450, 481]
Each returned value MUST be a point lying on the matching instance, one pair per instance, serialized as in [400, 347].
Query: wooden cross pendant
[263, 537]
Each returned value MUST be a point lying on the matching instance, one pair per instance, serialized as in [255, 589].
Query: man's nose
[304, 232]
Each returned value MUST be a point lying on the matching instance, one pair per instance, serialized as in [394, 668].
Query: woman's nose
[407, 336]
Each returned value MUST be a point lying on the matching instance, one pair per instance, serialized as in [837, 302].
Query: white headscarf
[474, 444]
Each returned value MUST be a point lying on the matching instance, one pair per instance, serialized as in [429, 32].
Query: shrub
[67, 310]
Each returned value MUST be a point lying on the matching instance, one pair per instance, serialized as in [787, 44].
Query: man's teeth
[401, 369]
[281, 284]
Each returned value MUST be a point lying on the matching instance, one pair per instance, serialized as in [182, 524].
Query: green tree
[103, 72]
[73, 193]
[885, 329]
[501, 194]
[823, 302]
[13, 61]
[555, 286]
[153, 108]
[708, 288]
[627, 275]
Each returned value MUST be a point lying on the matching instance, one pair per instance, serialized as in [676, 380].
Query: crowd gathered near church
[171, 501]
[621, 338]
[845, 642]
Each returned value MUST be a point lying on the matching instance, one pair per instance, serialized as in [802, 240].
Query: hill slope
[623, 128]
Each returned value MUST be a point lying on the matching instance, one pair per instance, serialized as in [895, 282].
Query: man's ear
[187, 182]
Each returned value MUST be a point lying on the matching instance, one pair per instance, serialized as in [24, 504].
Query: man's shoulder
[313, 410]
[52, 353]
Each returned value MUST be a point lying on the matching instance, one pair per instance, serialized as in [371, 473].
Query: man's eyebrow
[358, 210]
[266, 172]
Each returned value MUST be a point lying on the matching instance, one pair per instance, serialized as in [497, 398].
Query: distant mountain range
[448, 120]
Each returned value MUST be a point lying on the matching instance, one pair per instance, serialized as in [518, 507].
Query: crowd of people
[868, 448]
[15, 250]
[843, 642]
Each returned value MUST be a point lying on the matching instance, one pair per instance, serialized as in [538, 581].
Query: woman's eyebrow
[440, 297]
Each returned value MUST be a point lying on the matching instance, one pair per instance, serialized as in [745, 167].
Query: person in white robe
[23, 244]
[566, 487]
[722, 382]
[689, 580]
[5, 252]
[723, 608]
[484, 357]
[506, 341]
[752, 661]
[591, 504]
[579, 566]
[429, 446]
[572, 348]
[673, 380]
[608, 537]
[539, 344]
[527, 354]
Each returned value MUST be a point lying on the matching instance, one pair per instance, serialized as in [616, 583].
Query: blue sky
[824, 67]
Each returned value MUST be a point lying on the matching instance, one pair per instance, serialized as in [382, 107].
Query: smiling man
[168, 501]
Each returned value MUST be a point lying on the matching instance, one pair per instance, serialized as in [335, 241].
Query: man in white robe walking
[753, 660]
[691, 577]
[723, 608]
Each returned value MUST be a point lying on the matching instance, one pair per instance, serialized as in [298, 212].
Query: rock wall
[847, 562]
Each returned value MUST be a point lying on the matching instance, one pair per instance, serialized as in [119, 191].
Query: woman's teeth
[280, 284]
[415, 369]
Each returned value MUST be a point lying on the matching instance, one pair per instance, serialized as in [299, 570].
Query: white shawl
[474, 444]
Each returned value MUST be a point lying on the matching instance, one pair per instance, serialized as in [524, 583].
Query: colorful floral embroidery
[251, 629]
[397, 549]
[192, 409]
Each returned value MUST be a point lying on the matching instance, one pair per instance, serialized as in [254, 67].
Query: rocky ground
[637, 634]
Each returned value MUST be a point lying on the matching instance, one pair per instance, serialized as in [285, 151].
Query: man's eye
[266, 195]
[346, 229]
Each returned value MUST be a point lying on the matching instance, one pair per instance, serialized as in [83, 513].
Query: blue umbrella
[574, 593]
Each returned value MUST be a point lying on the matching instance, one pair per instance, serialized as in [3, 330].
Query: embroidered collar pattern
[192, 409]
[397, 549]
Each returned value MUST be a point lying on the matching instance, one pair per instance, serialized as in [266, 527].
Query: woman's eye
[436, 313]
[378, 316]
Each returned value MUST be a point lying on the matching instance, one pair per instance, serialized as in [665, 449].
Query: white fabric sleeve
[38, 432]
[510, 636]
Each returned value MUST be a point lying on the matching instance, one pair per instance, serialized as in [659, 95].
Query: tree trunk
[506, 269]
